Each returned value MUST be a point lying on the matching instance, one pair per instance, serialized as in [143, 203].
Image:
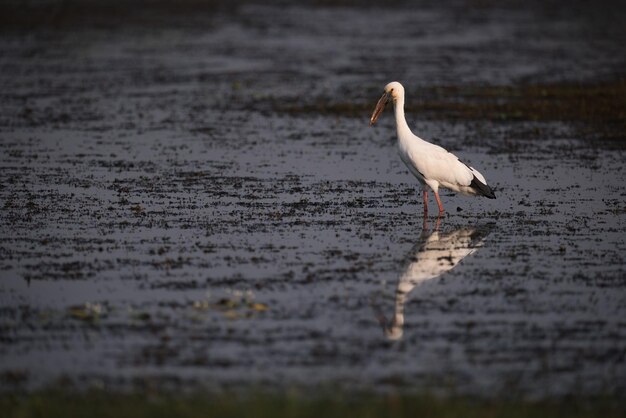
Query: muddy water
[200, 203]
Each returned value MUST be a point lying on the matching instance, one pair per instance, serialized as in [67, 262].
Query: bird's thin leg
[439, 202]
[425, 202]
[425, 224]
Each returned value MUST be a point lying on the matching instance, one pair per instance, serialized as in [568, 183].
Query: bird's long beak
[380, 106]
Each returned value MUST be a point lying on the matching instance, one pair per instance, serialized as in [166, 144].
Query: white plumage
[431, 164]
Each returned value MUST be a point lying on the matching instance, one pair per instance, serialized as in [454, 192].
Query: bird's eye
[392, 90]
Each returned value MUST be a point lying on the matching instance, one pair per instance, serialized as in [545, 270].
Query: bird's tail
[482, 189]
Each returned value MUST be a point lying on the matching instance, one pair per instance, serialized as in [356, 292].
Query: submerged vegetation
[536, 102]
[601, 105]
[101, 404]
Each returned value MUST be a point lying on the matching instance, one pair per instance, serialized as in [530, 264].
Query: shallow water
[171, 217]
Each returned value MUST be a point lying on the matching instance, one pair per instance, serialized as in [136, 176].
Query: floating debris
[87, 311]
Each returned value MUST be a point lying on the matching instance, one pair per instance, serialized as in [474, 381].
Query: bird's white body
[431, 164]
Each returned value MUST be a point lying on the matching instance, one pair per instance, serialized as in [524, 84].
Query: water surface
[204, 205]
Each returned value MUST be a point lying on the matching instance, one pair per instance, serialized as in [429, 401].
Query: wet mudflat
[196, 200]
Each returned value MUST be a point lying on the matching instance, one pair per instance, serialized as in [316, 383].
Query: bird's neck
[401, 125]
[398, 315]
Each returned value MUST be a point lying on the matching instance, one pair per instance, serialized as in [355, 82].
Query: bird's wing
[438, 164]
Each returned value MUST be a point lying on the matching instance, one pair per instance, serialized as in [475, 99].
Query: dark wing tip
[482, 188]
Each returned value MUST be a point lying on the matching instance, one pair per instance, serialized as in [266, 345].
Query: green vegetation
[101, 404]
[594, 103]
[597, 110]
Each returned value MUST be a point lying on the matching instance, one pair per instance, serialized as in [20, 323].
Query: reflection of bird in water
[433, 255]
[432, 165]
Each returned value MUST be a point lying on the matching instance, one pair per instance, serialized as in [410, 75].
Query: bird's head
[393, 91]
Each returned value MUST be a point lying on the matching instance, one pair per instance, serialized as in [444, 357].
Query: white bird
[431, 164]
